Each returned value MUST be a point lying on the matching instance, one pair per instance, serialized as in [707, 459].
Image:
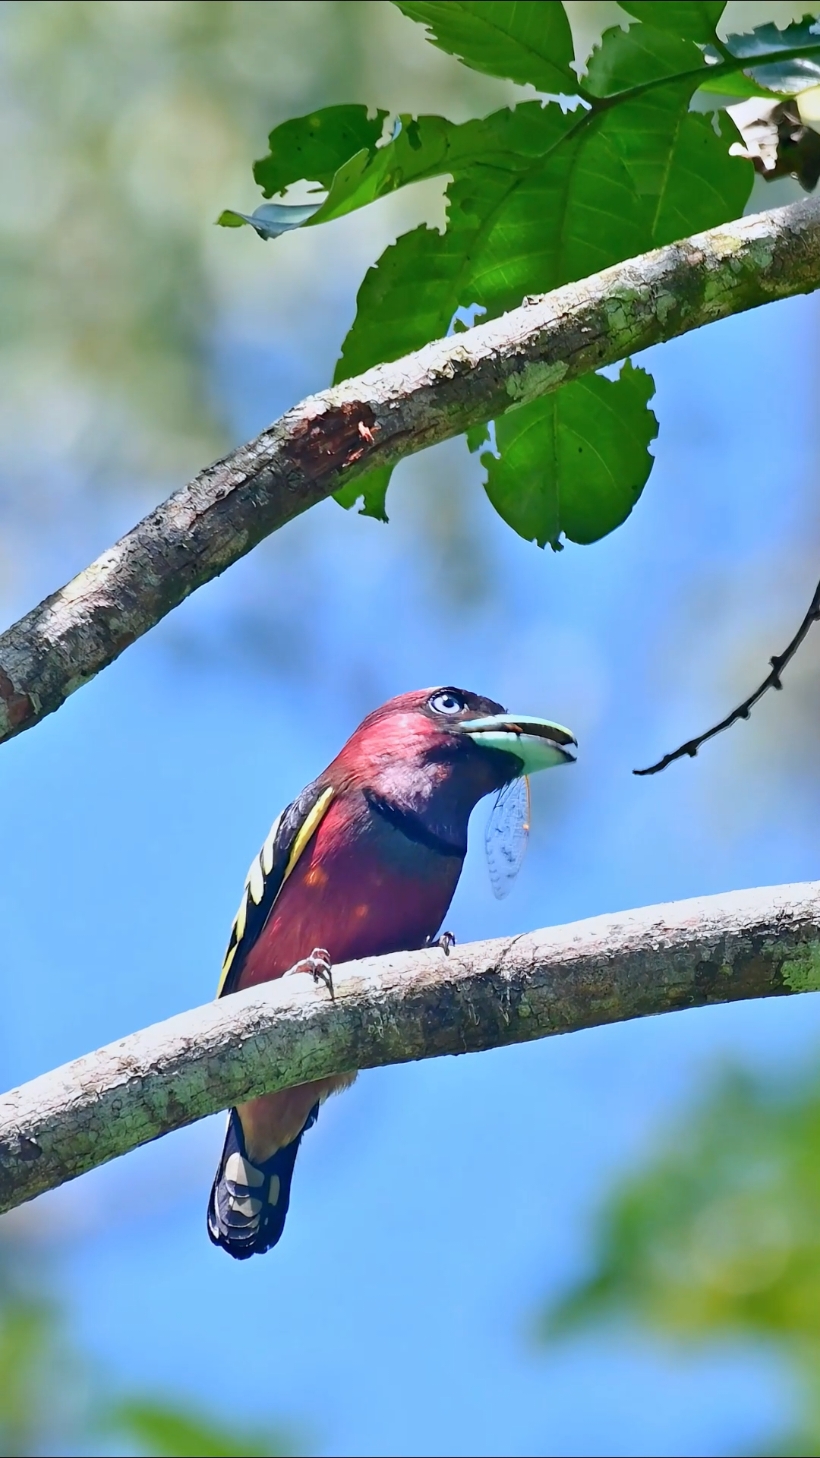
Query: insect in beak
[536, 744]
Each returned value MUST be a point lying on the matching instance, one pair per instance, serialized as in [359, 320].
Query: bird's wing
[269, 871]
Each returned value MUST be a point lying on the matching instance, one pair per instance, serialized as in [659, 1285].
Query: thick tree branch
[376, 420]
[414, 1005]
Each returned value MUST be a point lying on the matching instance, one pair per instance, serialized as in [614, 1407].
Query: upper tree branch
[392, 1009]
[377, 419]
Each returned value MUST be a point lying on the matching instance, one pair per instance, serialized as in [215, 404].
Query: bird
[364, 861]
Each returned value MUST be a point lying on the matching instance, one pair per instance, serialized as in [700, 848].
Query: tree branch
[743, 711]
[393, 1009]
[377, 419]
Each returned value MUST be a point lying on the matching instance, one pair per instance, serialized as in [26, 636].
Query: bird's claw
[319, 966]
[445, 940]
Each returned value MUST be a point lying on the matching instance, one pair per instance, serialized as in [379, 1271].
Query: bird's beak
[537, 743]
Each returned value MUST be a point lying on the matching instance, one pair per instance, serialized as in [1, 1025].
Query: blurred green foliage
[165, 1430]
[124, 126]
[717, 1235]
[55, 1400]
[121, 120]
[132, 330]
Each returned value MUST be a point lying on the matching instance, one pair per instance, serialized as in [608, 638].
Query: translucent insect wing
[506, 836]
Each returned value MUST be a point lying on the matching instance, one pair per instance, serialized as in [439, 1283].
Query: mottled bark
[414, 1005]
[377, 419]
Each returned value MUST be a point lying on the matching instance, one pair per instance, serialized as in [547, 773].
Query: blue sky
[436, 1205]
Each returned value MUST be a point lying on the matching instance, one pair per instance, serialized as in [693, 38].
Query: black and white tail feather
[249, 1202]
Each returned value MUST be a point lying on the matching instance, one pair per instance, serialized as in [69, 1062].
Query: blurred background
[609, 1243]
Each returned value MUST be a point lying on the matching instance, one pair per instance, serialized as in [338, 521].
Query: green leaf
[314, 147]
[536, 201]
[627, 58]
[526, 213]
[420, 266]
[370, 489]
[575, 462]
[573, 212]
[512, 229]
[537, 198]
[430, 146]
[529, 41]
[794, 72]
[733, 85]
[679, 165]
[405, 300]
[695, 20]
[422, 147]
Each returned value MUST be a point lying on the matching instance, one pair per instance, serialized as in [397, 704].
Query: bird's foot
[319, 966]
[445, 940]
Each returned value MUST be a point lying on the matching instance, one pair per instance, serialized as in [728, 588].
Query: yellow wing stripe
[226, 966]
[310, 823]
[260, 869]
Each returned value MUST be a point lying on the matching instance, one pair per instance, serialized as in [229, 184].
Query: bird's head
[437, 752]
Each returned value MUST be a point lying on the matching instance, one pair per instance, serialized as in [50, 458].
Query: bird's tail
[249, 1202]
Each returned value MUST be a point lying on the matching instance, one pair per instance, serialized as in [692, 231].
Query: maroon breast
[359, 889]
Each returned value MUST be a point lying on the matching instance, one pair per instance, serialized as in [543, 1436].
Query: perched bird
[365, 861]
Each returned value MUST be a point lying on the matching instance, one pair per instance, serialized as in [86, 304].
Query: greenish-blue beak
[537, 743]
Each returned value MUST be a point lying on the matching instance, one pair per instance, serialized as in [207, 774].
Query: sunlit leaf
[695, 20]
[528, 41]
[679, 164]
[424, 146]
[733, 85]
[627, 58]
[525, 214]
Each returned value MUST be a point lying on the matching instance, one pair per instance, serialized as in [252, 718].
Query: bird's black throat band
[412, 827]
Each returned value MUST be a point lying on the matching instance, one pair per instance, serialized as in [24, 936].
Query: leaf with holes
[306, 149]
[800, 47]
[513, 229]
[313, 148]
[575, 463]
[539, 201]
[536, 197]
[370, 489]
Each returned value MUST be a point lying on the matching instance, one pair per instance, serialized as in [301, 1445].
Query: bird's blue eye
[446, 701]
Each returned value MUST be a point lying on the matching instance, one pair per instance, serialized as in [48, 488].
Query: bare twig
[381, 417]
[772, 680]
[392, 1009]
